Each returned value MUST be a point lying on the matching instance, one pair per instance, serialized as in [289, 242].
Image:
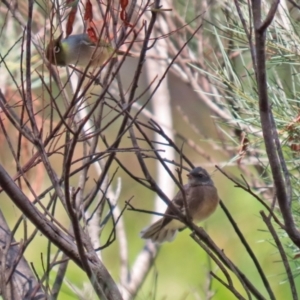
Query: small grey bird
[202, 200]
[80, 50]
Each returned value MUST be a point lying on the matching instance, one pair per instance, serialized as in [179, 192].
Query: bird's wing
[178, 202]
[88, 42]
[101, 44]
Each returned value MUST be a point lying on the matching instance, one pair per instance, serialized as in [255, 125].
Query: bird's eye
[56, 49]
[200, 175]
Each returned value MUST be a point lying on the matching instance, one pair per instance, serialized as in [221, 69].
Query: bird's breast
[204, 202]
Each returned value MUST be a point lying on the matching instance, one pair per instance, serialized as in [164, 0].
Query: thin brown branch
[282, 254]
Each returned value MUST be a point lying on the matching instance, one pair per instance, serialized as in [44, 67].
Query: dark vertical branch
[268, 126]
[28, 95]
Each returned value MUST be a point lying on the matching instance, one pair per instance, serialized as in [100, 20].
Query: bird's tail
[159, 234]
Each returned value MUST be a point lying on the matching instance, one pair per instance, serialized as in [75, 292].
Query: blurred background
[198, 83]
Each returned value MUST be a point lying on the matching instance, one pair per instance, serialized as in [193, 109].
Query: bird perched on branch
[80, 50]
[201, 198]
